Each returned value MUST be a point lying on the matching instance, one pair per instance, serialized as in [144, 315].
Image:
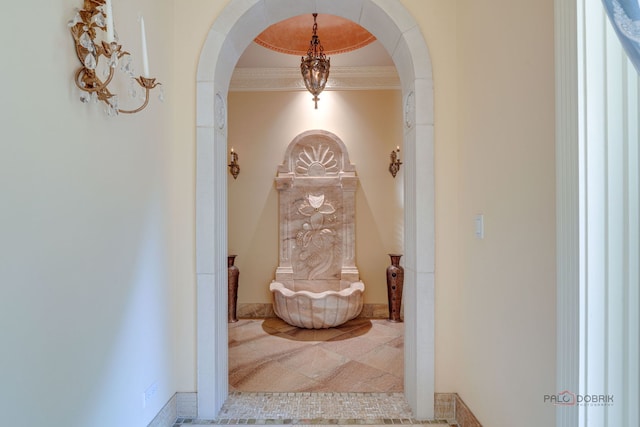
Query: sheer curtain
[625, 19]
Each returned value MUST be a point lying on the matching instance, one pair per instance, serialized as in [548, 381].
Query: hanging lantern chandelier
[315, 66]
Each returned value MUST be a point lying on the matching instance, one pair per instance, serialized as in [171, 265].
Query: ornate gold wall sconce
[234, 167]
[394, 166]
[97, 15]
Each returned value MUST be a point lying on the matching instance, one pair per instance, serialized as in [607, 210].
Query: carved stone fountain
[317, 283]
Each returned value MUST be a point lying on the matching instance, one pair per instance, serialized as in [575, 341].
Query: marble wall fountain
[317, 283]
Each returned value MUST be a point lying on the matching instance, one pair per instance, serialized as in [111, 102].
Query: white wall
[87, 229]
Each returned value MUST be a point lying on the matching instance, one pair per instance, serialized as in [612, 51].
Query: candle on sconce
[109, 13]
[145, 56]
[98, 49]
[394, 166]
[234, 167]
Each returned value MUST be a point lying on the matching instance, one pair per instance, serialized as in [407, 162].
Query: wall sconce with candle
[98, 15]
[234, 167]
[394, 166]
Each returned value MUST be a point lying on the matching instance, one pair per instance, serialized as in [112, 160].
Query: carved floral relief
[316, 238]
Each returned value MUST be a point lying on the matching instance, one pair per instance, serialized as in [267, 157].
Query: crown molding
[340, 78]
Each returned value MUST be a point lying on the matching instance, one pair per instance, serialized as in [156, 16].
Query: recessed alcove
[232, 31]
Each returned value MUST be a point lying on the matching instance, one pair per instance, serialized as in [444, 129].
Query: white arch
[238, 24]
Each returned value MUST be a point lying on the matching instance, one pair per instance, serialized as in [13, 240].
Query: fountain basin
[317, 310]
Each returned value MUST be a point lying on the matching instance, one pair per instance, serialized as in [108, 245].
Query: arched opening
[234, 29]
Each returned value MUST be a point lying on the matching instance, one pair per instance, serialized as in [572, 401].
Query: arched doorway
[238, 24]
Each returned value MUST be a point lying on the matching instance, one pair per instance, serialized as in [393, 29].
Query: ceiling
[346, 43]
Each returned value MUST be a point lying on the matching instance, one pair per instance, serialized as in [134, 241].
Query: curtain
[625, 18]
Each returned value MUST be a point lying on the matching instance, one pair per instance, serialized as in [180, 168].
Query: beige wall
[507, 172]
[261, 126]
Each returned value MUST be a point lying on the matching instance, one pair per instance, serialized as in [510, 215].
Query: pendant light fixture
[315, 66]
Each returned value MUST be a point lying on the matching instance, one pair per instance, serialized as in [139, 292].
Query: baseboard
[187, 405]
[464, 416]
[450, 407]
[167, 415]
[265, 310]
[444, 406]
[254, 310]
[181, 405]
[374, 311]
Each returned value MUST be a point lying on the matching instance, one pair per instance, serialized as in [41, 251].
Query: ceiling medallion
[339, 35]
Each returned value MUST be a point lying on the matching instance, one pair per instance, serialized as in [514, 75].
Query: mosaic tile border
[180, 422]
[317, 405]
[261, 409]
[450, 410]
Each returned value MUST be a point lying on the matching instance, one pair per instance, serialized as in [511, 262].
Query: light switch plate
[479, 226]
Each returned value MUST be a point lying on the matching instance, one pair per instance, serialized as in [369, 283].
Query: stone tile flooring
[282, 375]
[363, 355]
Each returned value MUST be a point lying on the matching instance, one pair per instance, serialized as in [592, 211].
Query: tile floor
[282, 375]
[363, 355]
